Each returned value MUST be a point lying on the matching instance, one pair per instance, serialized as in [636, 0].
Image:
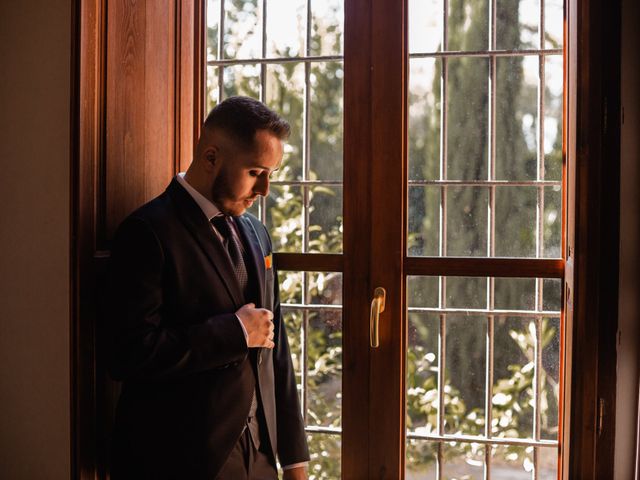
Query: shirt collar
[208, 208]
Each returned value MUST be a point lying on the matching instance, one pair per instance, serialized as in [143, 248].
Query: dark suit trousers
[247, 463]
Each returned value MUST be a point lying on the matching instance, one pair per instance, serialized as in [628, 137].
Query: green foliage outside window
[514, 362]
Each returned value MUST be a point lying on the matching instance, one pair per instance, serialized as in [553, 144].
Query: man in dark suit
[194, 325]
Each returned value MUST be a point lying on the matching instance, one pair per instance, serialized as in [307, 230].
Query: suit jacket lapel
[250, 239]
[199, 226]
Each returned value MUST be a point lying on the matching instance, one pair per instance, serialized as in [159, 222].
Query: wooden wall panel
[137, 86]
[139, 153]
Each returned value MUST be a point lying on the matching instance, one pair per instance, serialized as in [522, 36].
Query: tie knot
[223, 225]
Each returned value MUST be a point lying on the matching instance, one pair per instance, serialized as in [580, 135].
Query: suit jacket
[175, 342]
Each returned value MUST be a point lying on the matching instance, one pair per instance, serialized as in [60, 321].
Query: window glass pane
[424, 221]
[327, 27]
[467, 118]
[290, 287]
[286, 28]
[284, 219]
[554, 23]
[242, 29]
[285, 95]
[422, 291]
[516, 221]
[468, 25]
[467, 221]
[465, 375]
[425, 25]
[552, 222]
[324, 368]
[547, 463]
[422, 373]
[514, 462]
[517, 24]
[463, 460]
[213, 28]
[516, 118]
[242, 80]
[325, 461]
[421, 459]
[553, 117]
[326, 80]
[424, 118]
[213, 92]
[514, 367]
[515, 293]
[550, 381]
[325, 219]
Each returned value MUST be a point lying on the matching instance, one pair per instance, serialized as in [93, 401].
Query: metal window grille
[487, 439]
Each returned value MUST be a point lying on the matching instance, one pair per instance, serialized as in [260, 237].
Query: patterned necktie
[225, 227]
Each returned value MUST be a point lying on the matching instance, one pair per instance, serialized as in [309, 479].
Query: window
[484, 182]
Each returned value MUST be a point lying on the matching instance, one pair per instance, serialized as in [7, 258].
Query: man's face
[245, 174]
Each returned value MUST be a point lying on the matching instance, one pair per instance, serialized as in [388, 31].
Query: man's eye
[254, 173]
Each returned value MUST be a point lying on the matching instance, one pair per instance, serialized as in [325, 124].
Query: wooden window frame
[592, 154]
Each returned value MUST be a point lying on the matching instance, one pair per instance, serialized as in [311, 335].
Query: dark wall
[35, 54]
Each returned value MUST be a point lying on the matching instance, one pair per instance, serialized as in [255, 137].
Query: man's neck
[199, 186]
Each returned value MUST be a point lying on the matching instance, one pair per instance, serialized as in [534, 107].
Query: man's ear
[211, 156]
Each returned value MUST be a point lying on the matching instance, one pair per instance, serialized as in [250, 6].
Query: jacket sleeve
[292, 439]
[140, 345]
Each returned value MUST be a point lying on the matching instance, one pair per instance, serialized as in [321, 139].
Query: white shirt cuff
[244, 330]
[295, 465]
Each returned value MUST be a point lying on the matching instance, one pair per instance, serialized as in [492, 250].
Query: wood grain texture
[140, 101]
[596, 212]
[309, 262]
[126, 153]
[357, 434]
[87, 141]
[389, 60]
[485, 267]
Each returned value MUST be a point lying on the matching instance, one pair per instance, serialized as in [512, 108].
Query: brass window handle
[377, 307]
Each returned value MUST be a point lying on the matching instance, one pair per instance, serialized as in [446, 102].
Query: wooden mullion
[356, 438]
[594, 209]
[309, 262]
[485, 267]
[387, 209]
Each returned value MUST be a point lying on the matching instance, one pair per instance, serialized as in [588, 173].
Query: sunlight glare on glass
[425, 25]
[286, 28]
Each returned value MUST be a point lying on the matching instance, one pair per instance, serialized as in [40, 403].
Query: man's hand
[259, 326]
[298, 473]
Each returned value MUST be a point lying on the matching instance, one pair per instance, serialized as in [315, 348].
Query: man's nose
[262, 186]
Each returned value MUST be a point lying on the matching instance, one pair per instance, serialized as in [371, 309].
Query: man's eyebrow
[267, 168]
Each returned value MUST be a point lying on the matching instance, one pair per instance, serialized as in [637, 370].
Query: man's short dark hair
[241, 117]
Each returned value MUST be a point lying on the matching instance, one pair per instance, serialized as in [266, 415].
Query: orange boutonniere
[268, 261]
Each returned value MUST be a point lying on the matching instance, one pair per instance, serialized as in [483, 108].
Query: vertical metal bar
[537, 387]
[442, 281]
[306, 140]
[221, 52]
[263, 66]
[303, 345]
[442, 244]
[262, 211]
[444, 77]
[442, 353]
[491, 233]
